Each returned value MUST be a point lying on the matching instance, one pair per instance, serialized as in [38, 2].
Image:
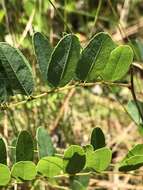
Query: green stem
[55, 90]
[96, 17]
[134, 94]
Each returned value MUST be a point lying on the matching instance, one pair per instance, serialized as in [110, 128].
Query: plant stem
[55, 90]
[96, 17]
[134, 94]
[61, 16]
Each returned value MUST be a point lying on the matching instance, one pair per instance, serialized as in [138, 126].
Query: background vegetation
[70, 115]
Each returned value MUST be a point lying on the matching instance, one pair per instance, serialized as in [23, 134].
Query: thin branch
[96, 17]
[55, 90]
[61, 16]
[134, 94]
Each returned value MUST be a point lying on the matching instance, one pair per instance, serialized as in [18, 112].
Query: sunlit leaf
[50, 166]
[132, 163]
[24, 170]
[118, 64]
[94, 57]
[4, 175]
[98, 160]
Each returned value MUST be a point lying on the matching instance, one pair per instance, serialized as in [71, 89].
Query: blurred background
[70, 116]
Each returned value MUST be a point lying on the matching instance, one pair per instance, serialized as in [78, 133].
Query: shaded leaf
[5, 88]
[94, 57]
[118, 64]
[63, 61]
[43, 50]
[17, 69]
[24, 170]
[45, 145]
[50, 166]
[76, 185]
[74, 159]
[24, 147]
[3, 152]
[97, 138]
[80, 182]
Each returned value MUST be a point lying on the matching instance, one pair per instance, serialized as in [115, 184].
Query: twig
[96, 17]
[60, 15]
[134, 94]
[32, 98]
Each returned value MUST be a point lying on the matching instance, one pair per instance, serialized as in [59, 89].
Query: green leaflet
[133, 160]
[17, 69]
[118, 64]
[24, 170]
[76, 185]
[132, 163]
[43, 51]
[4, 175]
[94, 57]
[80, 182]
[133, 111]
[98, 160]
[45, 145]
[97, 138]
[74, 159]
[3, 152]
[135, 151]
[24, 147]
[63, 61]
[50, 166]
